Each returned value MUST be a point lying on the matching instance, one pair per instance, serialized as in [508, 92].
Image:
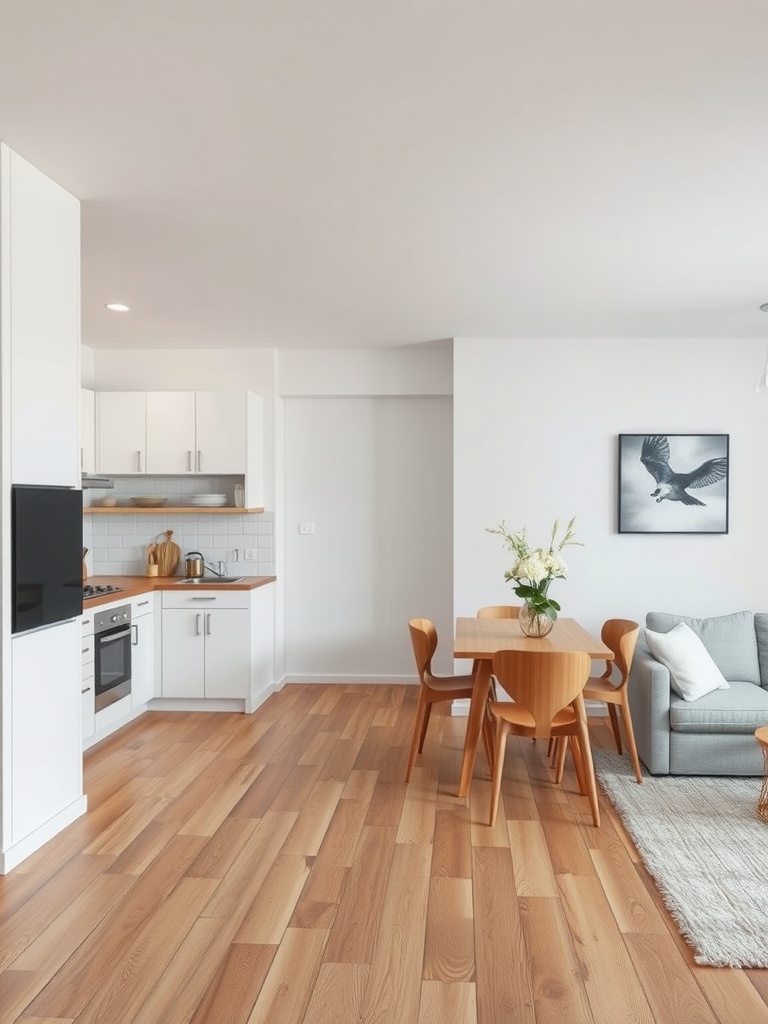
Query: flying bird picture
[673, 486]
[673, 483]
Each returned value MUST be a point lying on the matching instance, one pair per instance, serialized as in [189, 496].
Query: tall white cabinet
[41, 787]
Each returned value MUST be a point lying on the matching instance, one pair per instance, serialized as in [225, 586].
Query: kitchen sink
[207, 580]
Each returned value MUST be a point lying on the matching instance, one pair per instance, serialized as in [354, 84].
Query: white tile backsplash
[118, 542]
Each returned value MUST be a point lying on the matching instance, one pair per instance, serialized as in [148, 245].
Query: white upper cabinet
[165, 433]
[87, 431]
[221, 432]
[121, 432]
[170, 432]
[41, 323]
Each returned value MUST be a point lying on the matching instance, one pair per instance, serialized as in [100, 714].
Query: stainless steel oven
[112, 654]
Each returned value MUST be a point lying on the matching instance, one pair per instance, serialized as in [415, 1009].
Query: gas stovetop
[94, 591]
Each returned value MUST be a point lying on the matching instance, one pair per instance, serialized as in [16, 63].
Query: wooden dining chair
[496, 611]
[499, 611]
[621, 636]
[546, 691]
[433, 688]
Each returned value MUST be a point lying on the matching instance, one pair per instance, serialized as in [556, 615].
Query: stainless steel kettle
[194, 567]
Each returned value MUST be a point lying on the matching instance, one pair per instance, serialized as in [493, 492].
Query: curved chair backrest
[542, 682]
[424, 640]
[499, 611]
[621, 636]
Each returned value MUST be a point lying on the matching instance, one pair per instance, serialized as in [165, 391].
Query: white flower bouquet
[535, 568]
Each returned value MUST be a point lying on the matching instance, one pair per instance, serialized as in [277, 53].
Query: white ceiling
[354, 173]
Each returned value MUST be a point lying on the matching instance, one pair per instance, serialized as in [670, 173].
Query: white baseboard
[196, 704]
[208, 704]
[18, 852]
[350, 679]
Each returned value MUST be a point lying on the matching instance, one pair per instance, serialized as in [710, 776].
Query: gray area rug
[707, 851]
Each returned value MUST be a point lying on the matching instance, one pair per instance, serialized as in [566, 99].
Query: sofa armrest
[649, 696]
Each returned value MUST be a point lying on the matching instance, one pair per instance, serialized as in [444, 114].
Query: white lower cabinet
[43, 765]
[206, 644]
[142, 650]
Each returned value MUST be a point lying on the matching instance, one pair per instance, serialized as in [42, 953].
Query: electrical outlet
[250, 554]
[306, 528]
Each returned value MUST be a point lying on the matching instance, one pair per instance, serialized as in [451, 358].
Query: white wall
[536, 424]
[391, 371]
[374, 476]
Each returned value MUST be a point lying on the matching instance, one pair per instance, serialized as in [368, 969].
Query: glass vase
[534, 623]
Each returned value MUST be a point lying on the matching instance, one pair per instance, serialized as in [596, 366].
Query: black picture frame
[673, 483]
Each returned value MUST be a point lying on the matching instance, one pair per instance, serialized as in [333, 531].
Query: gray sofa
[713, 735]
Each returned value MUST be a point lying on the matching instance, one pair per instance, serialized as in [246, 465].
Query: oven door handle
[114, 636]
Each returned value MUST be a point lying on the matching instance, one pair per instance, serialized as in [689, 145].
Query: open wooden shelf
[98, 510]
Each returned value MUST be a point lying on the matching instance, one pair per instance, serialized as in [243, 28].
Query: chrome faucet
[221, 571]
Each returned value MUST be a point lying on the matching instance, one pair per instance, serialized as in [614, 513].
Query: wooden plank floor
[275, 868]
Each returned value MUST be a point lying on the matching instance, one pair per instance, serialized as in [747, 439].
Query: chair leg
[425, 723]
[559, 757]
[417, 742]
[631, 745]
[488, 739]
[615, 726]
[498, 767]
[588, 770]
[578, 762]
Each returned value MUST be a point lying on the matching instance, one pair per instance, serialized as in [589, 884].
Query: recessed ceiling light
[117, 307]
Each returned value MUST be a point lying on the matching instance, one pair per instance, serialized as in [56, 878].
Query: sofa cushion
[740, 709]
[692, 671]
[730, 639]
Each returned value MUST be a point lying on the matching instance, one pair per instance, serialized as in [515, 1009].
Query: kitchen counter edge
[135, 586]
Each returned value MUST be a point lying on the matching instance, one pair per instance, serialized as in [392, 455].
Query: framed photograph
[673, 483]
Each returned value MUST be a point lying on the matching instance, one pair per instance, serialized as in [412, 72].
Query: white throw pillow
[692, 670]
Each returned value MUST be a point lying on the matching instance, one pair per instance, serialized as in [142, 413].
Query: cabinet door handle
[208, 624]
[85, 650]
[199, 461]
[140, 603]
[138, 462]
[199, 617]
[189, 460]
[86, 690]
[82, 460]
[135, 641]
[203, 598]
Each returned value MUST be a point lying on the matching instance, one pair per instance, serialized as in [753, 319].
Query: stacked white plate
[208, 500]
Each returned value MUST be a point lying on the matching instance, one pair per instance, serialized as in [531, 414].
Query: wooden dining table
[480, 638]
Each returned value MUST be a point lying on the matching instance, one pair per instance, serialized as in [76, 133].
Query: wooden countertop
[133, 586]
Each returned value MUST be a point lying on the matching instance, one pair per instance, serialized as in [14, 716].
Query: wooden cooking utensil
[85, 567]
[168, 555]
